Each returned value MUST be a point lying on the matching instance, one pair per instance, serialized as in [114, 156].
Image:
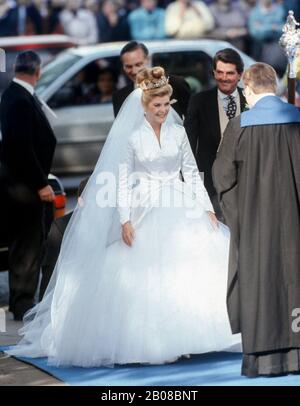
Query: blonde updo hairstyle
[150, 77]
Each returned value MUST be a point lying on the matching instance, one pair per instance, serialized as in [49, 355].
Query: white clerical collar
[24, 84]
[262, 95]
[223, 96]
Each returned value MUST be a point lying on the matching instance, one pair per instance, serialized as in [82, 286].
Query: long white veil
[92, 227]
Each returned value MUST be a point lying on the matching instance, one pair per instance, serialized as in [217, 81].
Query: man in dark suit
[135, 57]
[209, 112]
[27, 149]
[22, 18]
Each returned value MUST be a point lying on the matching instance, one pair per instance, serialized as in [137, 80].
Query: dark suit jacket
[28, 142]
[52, 250]
[202, 124]
[181, 92]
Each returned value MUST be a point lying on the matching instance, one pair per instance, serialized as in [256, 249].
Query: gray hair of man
[27, 62]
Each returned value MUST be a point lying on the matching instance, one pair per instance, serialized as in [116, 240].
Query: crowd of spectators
[252, 25]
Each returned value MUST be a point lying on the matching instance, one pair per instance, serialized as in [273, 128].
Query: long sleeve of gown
[125, 186]
[191, 175]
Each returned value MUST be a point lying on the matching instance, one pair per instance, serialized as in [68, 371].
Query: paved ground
[14, 372]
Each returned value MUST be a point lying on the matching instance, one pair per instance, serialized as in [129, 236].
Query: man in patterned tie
[209, 112]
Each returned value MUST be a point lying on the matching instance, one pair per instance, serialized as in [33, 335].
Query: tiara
[153, 85]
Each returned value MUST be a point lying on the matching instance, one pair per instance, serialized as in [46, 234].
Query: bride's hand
[128, 233]
[213, 220]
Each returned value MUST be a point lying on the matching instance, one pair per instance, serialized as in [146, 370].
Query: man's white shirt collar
[262, 95]
[223, 96]
[24, 84]
[30, 89]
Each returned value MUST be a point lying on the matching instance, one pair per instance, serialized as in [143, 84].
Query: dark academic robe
[257, 178]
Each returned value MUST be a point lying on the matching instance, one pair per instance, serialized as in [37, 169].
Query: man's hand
[128, 233]
[213, 220]
[46, 194]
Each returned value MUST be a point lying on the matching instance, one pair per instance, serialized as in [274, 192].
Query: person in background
[28, 17]
[55, 7]
[20, 18]
[80, 24]
[210, 111]
[147, 22]
[42, 7]
[27, 150]
[265, 24]
[164, 3]
[112, 25]
[187, 19]
[7, 21]
[134, 58]
[106, 86]
[231, 22]
[92, 6]
[247, 6]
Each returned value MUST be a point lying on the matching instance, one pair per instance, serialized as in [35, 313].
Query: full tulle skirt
[161, 298]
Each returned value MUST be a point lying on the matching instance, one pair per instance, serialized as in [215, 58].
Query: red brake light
[60, 201]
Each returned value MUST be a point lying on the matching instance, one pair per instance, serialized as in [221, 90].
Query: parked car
[68, 85]
[47, 46]
[59, 207]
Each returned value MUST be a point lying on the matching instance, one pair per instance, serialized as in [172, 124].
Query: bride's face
[157, 109]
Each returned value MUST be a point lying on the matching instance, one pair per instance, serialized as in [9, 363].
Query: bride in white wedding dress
[142, 272]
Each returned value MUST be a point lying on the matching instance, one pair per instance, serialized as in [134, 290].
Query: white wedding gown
[161, 298]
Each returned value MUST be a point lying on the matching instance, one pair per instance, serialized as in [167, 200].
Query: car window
[56, 68]
[194, 66]
[93, 84]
